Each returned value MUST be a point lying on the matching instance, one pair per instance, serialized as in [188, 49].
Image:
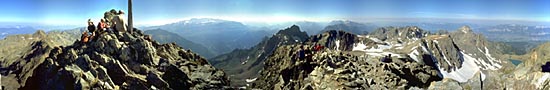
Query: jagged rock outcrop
[121, 61]
[476, 45]
[436, 56]
[341, 70]
[337, 40]
[399, 34]
[163, 36]
[528, 74]
[17, 54]
[243, 64]
[340, 67]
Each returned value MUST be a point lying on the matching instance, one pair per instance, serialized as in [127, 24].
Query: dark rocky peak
[445, 51]
[401, 34]
[245, 64]
[293, 30]
[287, 36]
[465, 29]
[466, 37]
[39, 33]
[333, 39]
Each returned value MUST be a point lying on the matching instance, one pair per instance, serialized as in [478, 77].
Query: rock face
[338, 67]
[528, 75]
[418, 59]
[163, 36]
[17, 54]
[337, 40]
[244, 64]
[400, 34]
[119, 61]
[447, 52]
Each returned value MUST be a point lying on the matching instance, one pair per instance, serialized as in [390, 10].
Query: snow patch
[375, 39]
[380, 48]
[259, 55]
[490, 63]
[247, 58]
[423, 48]
[251, 80]
[359, 46]
[542, 79]
[337, 44]
[468, 70]
[414, 55]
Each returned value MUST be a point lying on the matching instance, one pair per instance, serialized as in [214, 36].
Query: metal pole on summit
[130, 19]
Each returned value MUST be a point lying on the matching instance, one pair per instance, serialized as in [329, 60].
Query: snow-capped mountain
[219, 36]
[458, 55]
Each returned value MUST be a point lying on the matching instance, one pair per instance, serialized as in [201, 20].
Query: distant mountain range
[353, 56]
[515, 33]
[219, 36]
[163, 36]
[15, 30]
[350, 26]
[223, 36]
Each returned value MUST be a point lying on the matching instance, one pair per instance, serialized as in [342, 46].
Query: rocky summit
[339, 67]
[341, 70]
[15, 68]
[115, 61]
[390, 58]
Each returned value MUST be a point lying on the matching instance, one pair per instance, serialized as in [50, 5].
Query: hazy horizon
[159, 12]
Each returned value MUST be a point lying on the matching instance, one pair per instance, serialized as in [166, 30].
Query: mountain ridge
[245, 63]
[163, 36]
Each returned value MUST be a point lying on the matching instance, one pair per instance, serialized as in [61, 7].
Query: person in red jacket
[102, 26]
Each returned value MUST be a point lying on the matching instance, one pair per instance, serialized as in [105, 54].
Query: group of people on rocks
[386, 59]
[114, 25]
[307, 53]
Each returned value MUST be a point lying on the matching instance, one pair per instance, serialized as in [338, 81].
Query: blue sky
[166, 11]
